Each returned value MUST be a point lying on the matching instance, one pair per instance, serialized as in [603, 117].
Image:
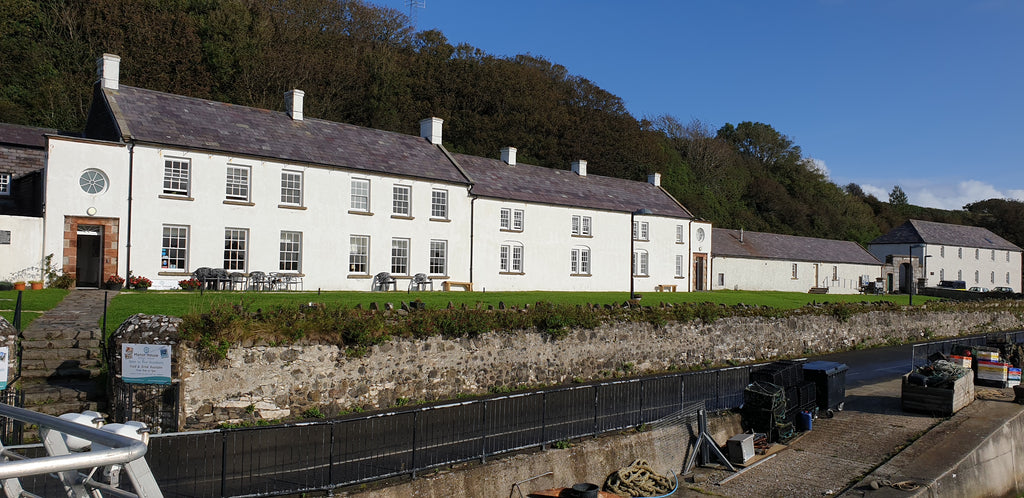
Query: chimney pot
[430, 129]
[108, 68]
[293, 103]
[579, 167]
[508, 154]
[654, 179]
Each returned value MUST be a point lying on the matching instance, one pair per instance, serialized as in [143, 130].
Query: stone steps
[61, 358]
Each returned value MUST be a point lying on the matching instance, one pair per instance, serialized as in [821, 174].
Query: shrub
[64, 281]
[140, 282]
[189, 283]
[6, 286]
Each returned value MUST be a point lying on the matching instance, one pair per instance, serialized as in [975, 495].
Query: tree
[898, 198]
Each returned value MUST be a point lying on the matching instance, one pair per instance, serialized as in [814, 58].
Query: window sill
[511, 230]
[641, 276]
[577, 236]
[360, 213]
[401, 217]
[580, 275]
[511, 273]
[238, 203]
[439, 277]
[680, 243]
[679, 277]
[292, 206]
[641, 240]
[441, 220]
[175, 197]
[359, 276]
[174, 274]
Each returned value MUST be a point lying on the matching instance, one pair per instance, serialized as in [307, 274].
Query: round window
[93, 181]
[700, 235]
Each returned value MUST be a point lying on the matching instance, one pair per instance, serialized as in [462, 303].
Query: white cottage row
[159, 185]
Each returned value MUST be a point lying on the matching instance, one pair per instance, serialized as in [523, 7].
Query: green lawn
[178, 303]
[33, 303]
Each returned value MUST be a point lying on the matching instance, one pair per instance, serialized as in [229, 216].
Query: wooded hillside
[366, 65]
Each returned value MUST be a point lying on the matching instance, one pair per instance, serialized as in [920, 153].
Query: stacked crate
[989, 370]
[1013, 377]
[796, 394]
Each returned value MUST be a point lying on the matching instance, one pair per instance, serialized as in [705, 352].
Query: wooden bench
[448, 284]
[666, 288]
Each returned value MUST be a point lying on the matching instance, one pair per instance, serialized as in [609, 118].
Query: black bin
[829, 380]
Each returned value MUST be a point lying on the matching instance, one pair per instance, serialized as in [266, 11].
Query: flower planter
[20, 286]
[37, 285]
[114, 286]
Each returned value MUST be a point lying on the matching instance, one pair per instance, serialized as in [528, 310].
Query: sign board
[4, 352]
[146, 363]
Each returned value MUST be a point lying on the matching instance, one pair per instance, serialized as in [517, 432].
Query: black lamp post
[632, 252]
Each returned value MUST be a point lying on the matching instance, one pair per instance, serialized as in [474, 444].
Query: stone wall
[275, 382]
[9, 338]
[159, 406]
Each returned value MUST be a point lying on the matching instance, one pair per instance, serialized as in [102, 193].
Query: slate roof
[527, 183]
[25, 136]
[930, 232]
[191, 123]
[759, 245]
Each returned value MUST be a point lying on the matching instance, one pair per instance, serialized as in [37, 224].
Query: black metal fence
[310, 456]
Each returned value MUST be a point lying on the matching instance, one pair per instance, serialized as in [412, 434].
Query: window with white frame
[960, 253]
[361, 195]
[5, 184]
[579, 261]
[992, 278]
[721, 280]
[506, 219]
[993, 254]
[977, 254]
[942, 251]
[795, 274]
[176, 177]
[291, 251]
[581, 225]
[1007, 256]
[1007, 277]
[401, 200]
[174, 248]
[359, 254]
[236, 186]
[517, 219]
[439, 204]
[835, 273]
[640, 230]
[959, 274]
[438, 264]
[681, 265]
[681, 235]
[291, 188]
[510, 257]
[400, 256]
[942, 274]
[640, 266]
[236, 248]
[977, 276]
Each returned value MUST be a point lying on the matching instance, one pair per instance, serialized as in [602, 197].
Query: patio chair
[420, 281]
[257, 281]
[218, 279]
[383, 280]
[202, 274]
[291, 281]
[236, 280]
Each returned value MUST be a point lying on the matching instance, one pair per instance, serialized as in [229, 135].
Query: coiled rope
[637, 479]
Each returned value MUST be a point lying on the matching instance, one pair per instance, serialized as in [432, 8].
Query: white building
[949, 252]
[768, 261]
[159, 185]
[22, 159]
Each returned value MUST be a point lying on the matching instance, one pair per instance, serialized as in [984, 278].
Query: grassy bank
[33, 303]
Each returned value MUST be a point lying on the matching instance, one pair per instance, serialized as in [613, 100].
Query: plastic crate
[783, 373]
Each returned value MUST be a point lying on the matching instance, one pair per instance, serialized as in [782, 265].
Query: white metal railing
[110, 450]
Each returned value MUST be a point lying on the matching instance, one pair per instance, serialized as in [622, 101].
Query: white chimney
[579, 167]
[293, 103]
[430, 129]
[508, 155]
[108, 68]
[654, 179]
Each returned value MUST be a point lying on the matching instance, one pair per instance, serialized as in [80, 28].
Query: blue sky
[926, 94]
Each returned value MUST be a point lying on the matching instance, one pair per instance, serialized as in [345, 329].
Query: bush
[64, 281]
[6, 286]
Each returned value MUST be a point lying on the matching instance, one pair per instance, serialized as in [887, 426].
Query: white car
[978, 289]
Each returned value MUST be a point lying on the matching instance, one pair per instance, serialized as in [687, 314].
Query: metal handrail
[122, 450]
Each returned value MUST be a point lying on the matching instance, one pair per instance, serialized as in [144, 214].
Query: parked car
[1002, 290]
[978, 289]
[953, 284]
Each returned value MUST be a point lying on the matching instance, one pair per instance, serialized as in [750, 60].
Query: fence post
[483, 434]
[330, 455]
[17, 313]
[543, 418]
[224, 463]
[596, 407]
[642, 419]
[412, 463]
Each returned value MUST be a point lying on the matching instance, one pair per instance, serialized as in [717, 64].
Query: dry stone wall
[274, 382]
